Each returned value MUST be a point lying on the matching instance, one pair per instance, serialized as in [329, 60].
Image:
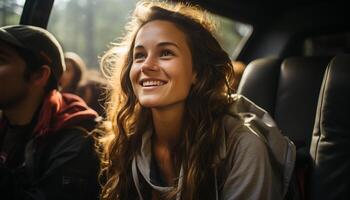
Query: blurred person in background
[91, 90]
[75, 69]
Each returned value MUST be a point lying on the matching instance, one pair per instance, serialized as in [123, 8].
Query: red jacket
[59, 110]
[60, 161]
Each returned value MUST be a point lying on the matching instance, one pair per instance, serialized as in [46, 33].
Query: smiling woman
[162, 72]
[175, 132]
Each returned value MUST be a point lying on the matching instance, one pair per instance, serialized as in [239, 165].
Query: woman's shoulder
[257, 141]
[241, 136]
[247, 162]
[238, 138]
[242, 144]
[235, 127]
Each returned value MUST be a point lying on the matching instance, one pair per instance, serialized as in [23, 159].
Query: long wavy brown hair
[127, 120]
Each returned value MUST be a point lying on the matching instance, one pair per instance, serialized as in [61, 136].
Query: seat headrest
[259, 82]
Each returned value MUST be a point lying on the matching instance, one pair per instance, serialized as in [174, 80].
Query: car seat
[330, 147]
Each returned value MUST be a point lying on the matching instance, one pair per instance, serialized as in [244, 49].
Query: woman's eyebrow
[167, 44]
[159, 45]
[138, 47]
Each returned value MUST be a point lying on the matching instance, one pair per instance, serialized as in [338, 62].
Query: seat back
[259, 82]
[330, 147]
[288, 89]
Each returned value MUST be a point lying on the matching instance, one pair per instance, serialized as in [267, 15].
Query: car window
[88, 26]
[327, 45]
[232, 35]
[10, 11]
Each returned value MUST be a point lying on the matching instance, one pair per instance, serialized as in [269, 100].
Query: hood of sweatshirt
[62, 110]
[59, 110]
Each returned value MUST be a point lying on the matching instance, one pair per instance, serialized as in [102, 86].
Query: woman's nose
[150, 64]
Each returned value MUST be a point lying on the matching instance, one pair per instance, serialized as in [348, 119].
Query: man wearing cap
[46, 151]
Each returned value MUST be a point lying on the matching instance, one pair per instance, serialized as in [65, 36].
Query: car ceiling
[281, 24]
[257, 11]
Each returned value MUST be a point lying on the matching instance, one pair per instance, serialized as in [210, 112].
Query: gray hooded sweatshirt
[259, 160]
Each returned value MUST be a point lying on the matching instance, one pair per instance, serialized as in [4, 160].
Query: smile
[151, 83]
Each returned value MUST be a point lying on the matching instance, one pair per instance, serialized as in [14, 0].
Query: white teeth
[152, 83]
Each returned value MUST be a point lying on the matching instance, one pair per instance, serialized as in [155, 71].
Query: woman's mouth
[152, 83]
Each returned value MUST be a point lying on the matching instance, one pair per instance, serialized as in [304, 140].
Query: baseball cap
[39, 42]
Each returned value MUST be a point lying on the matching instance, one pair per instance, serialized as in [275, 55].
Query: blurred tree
[89, 30]
[3, 10]
[10, 11]
[88, 26]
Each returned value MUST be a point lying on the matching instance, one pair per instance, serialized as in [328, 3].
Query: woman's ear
[194, 78]
[41, 77]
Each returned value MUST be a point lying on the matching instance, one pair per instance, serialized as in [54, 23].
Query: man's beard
[13, 100]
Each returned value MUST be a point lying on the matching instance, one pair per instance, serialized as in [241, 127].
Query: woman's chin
[149, 103]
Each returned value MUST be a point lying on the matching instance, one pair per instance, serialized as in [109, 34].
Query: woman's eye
[139, 56]
[166, 53]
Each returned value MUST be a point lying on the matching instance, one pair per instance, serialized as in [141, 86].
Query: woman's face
[161, 72]
[67, 75]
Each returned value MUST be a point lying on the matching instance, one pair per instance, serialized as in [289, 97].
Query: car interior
[297, 60]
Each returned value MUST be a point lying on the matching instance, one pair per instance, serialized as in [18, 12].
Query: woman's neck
[167, 124]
